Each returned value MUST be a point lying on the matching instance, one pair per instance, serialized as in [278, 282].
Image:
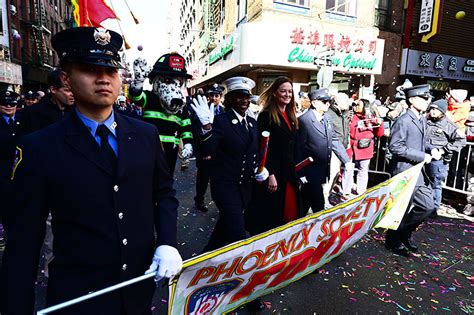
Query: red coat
[360, 128]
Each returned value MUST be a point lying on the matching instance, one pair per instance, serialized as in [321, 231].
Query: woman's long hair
[267, 99]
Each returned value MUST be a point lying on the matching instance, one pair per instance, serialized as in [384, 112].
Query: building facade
[437, 46]
[329, 43]
[35, 22]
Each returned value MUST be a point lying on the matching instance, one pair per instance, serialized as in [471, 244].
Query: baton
[303, 163]
[94, 294]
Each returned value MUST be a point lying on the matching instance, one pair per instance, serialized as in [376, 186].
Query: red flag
[92, 12]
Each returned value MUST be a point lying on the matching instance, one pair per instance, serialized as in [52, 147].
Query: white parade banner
[222, 280]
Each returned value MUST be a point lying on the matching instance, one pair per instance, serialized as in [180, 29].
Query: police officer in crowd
[30, 98]
[214, 95]
[231, 139]
[317, 139]
[408, 146]
[444, 135]
[51, 108]
[86, 169]
[9, 126]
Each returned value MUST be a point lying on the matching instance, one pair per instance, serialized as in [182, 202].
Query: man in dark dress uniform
[9, 126]
[105, 179]
[52, 108]
[409, 147]
[214, 95]
[317, 139]
[231, 139]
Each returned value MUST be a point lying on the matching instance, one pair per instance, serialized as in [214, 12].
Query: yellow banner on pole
[222, 280]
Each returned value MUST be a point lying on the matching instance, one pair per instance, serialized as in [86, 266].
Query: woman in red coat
[364, 128]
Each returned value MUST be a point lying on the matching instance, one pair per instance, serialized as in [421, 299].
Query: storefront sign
[10, 73]
[422, 63]
[226, 47]
[426, 16]
[342, 52]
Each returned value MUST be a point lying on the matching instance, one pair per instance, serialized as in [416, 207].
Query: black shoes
[399, 250]
[201, 207]
[410, 244]
[255, 306]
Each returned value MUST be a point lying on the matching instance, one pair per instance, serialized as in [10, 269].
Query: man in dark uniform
[52, 108]
[31, 98]
[105, 179]
[164, 106]
[317, 139]
[214, 95]
[447, 137]
[231, 139]
[408, 146]
[9, 126]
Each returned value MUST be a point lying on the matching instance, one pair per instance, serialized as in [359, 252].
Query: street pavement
[366, 279]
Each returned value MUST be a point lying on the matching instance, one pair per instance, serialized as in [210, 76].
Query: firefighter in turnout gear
[164, 106]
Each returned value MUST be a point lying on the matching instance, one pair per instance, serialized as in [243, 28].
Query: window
[301, 3]
[383, 14]
[1, 22]
[242, 12]
[342, 7]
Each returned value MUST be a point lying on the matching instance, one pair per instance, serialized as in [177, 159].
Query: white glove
[303, 180]
[436, 154]
[140, 72]
[167, 262]
[262, 176]
[349, 166]
[428, 158]
[202, 110]
[187, 151]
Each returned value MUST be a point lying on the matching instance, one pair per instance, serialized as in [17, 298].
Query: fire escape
[39, 47]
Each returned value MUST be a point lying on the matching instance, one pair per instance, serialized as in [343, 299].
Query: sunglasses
[8, 105]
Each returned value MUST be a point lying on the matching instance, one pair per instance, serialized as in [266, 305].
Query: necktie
[11, 124]
[107, 151]
[244, 124]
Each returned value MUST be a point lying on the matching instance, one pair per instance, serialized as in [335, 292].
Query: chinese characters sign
[343, 52]
[421, 63]
[426, 16]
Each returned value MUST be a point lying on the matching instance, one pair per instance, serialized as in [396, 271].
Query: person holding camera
[363, 129]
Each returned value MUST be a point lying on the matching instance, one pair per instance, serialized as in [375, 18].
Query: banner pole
[94, 294]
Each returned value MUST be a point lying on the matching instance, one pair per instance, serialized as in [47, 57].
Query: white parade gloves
[436, 154]
[140, 72]
[303, 180]
[349, 166]
[428, 158]
[202, 110]
[262, 176]
[167, 262]
[187, 151]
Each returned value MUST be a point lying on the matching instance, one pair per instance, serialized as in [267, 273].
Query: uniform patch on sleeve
[16, 161]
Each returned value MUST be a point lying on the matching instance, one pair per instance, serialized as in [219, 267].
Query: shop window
[301, 3]
[342, 7]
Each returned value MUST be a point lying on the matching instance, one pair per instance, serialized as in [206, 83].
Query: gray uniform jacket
[340, 123]
[408, 142]
[444, 134]
[318, 140]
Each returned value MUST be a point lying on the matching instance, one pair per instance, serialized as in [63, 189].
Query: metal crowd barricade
[458, 175]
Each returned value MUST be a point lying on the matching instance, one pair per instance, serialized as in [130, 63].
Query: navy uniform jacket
[408, 142]
[41, 114]
[317, 141]
[103, 225]
[234, 155]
